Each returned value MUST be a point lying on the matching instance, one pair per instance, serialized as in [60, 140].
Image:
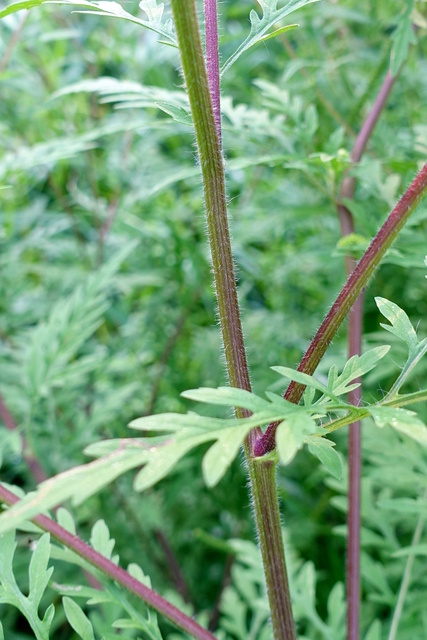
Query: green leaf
[290, 435]
[49, 352]
[374, 632]
[65, 519]
[356, 367]
[177, 113]
[164, 458]
[191, 430]
[413, 550]
[405, 505]
[10, 442]
[403, 329]
[78, 619]
[219, 457]
[153, 11]
[278, 32]
[100, 539]
[38, 573]
[402, 38]
[404, 421]
[306, 380]
[158, 455]
[260, 26]
[324, 450]
[78, 484]
[39, 576]
[401, 326]
[18, 6]
[229, 397]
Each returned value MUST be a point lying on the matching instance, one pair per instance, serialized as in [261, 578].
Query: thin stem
[116, 573]
[356, 282]
[145, 538]
[214, 190]
[262, 479]
[173, 565]
[4, 61]
[265, 503]
[212, 60]
[226, 580]
[349, 183]
[33, 464]
[372, 119]
[406, 578]
[360, 414]
[355, 330]
[163, 360]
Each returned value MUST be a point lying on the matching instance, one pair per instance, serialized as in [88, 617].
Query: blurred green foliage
[107, 310]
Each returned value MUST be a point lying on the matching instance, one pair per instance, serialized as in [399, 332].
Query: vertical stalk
[355, 330]
[406, 579]
[352, 575]
[261, 473]
[266, 506]
[214, 190]
[212, 60]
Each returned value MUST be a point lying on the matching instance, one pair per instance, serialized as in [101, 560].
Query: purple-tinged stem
[355, 330]
[349, 183]
[114, 572]
[372, 118]
[33, 464]
[212, 60]
[356, 282]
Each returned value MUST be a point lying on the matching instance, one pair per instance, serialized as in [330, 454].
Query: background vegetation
[107, 310]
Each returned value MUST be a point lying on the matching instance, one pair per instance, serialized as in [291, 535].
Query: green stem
[214, 190]
[263, 482]
[406, 579]
[359, 414]
[262, 476]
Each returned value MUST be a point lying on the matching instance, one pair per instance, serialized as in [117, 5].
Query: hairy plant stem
[214, 190]
[261, 474]
[355, 284]
[266, 509]
[212, 60]
[114, 572]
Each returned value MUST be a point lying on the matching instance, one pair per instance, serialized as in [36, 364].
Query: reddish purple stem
[350, 292]
[114, 572]
[355, 330]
